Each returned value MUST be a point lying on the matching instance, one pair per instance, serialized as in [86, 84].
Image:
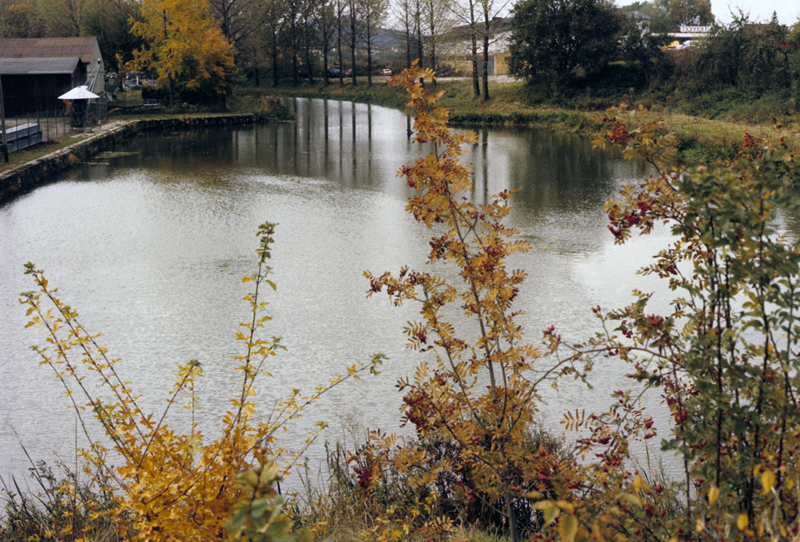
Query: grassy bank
[700, 139]
[19, 158]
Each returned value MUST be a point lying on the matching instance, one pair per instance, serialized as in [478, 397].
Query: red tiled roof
[48, 48]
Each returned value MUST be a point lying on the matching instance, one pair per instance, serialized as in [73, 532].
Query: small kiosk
[77, 99]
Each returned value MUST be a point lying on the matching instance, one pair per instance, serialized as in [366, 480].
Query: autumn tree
[309, 33]
[374, 13]
[341, 5]
[110, 22]
[418, 32]
[402, 11]
[722, 353]
[466, 12]
[65, 17]
[237, 19]
[241, 21]
[490, 10]
[437, 17]
[292, 20]
[24, 20]
[690, 12]
[326, 23]
[187, 52]
[274, 22]
[355, 31]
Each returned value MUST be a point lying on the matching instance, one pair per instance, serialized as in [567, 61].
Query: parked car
[336, 71]
[387, 72]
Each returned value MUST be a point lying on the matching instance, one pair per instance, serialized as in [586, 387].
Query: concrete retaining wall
[24, 178]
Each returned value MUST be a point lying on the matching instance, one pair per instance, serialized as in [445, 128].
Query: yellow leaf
[767, 481]
[638, 483]
[551, 511]
[742, 522]
[713, 495]
[632, 500]
[568, 527]
[596, 533]
[565, 506]
[700, 525]
[246, 279]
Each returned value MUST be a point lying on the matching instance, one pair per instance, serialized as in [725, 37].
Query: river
[150, 243]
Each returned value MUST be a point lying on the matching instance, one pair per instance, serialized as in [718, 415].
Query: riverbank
[700, 140]
[36, 167]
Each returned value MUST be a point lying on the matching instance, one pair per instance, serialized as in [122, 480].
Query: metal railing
[53, 123]
[58, 122]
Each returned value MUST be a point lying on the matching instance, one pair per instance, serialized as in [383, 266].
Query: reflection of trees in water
[362, 146]
[557, 172]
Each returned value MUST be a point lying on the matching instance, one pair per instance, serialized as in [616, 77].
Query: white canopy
[79, 93]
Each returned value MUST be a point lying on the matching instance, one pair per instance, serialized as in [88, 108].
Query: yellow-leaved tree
[186, 50]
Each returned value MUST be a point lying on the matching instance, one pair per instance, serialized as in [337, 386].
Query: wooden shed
[34, 84]
[86, 48]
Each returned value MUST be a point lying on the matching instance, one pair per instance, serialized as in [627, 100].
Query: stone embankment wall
[35, 173]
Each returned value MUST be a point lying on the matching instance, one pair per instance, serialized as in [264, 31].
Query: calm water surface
[150, 245]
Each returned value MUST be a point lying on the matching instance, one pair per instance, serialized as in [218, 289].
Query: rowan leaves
[477, 395]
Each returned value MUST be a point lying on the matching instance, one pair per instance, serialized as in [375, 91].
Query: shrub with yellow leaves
[172, 486]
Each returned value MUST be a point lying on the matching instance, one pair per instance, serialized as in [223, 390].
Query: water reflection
[150, 244]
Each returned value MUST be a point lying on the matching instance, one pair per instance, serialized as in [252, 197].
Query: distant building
[455, 47]
[37, 70]
[641, 20]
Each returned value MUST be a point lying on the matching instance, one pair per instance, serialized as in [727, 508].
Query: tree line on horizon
[201, 48]
[744, 70]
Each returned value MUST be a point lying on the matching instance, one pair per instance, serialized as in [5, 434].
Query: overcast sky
[760, 10]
